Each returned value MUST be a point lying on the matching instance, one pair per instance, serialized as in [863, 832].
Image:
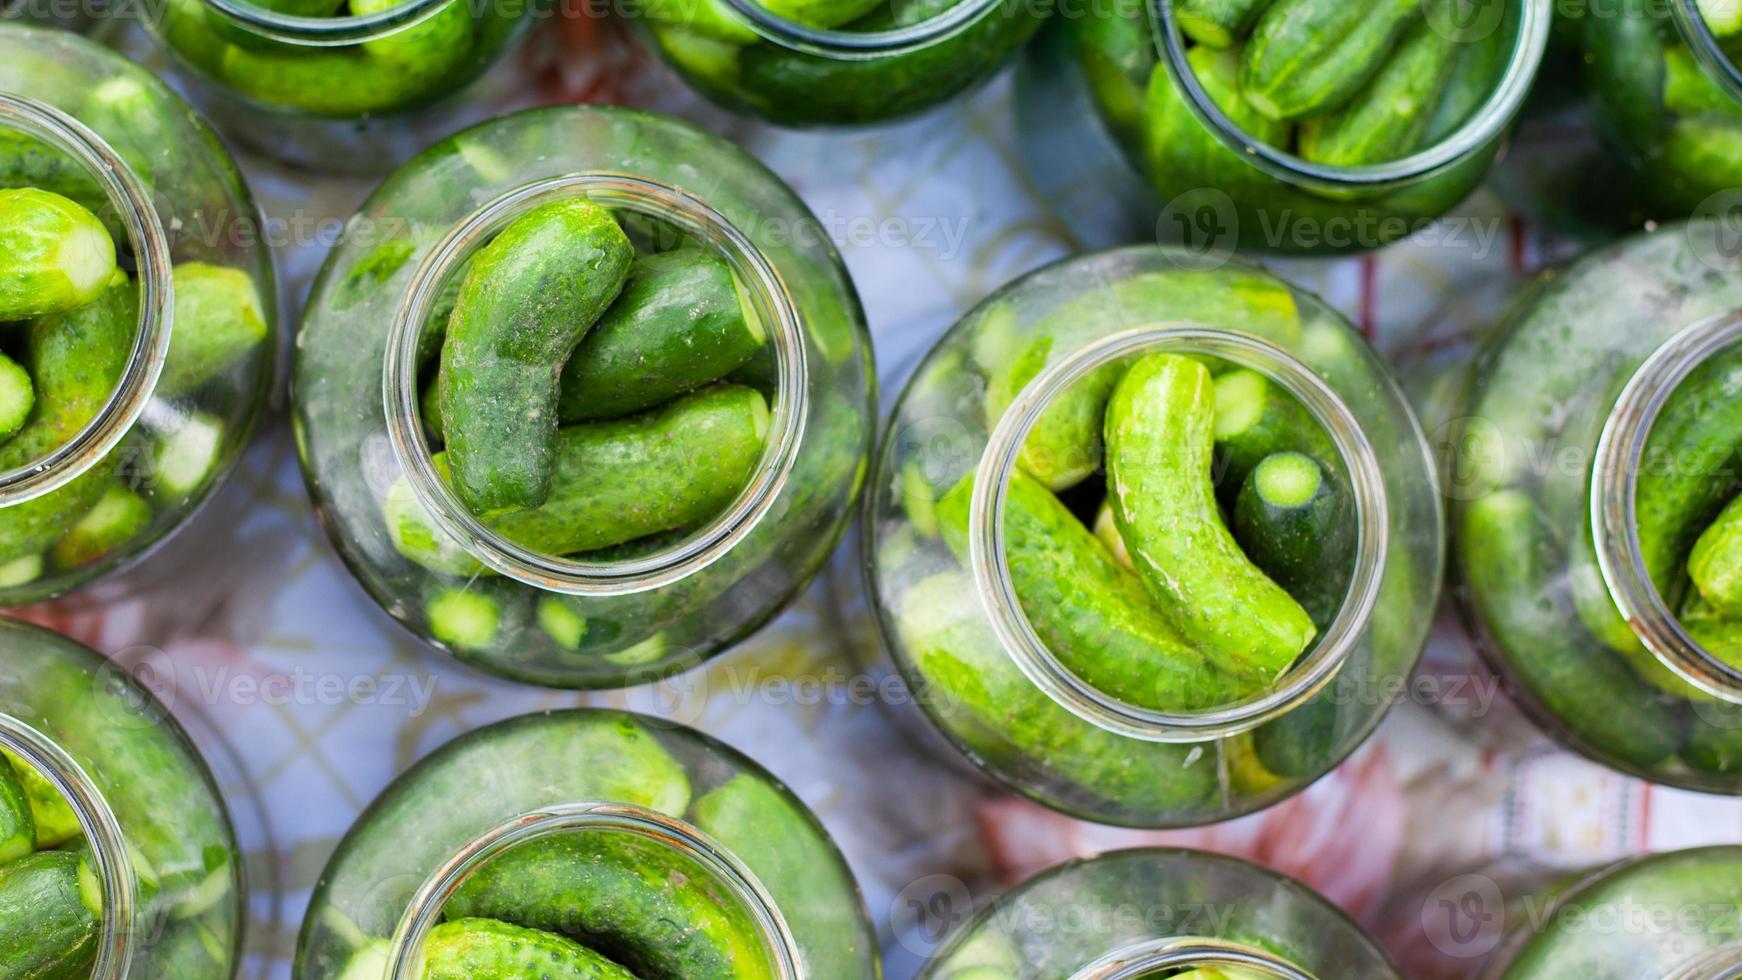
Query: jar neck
[1691, 24]
[1723, 963]
[1615, 470]
[734, 881]
[317, 32]
[1165, 957]
[132, 206]
[844, 45]
[991, 571]
[1486, 125]
[765, 291]
[109, 856]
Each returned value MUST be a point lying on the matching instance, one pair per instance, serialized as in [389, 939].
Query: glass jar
[97, 478]
[1157, 912]
[334, 89]
[574, 822]
[1662, 917]
[1668, 103]
[804, 65]
[1120, 125]
[1072, 737]
[114, 780]
[1556, 433]
[589, 621]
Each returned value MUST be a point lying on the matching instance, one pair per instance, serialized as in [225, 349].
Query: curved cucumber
[680, 323]
[1160, 444]
[55, 255]
[1092, 612]
[486, 949]
[635, 900]
[615, 481]
[1218, 23]
[1389, 118]
[1293, 521]
[17, 397]
[17, 826]
[1715, 563]
[527, 299]
[1688, 467]
[218, 319]
[1507, 557]
[1308, 57]
[1255, 417]
[1476, 69]
[50, 907]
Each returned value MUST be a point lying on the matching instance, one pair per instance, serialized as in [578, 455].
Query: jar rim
[321, 32]
[763, 285]
[132, 202]
[1483, 126]
[843, 45]
[117, 941]
[404, 958]
[1615, 470]
[1708, 53]
[1146, 959]
[1016, 634]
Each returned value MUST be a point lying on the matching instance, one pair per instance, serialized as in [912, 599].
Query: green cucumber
[1294, 522]
[1299, 745]
[1688, 467]
[565, 627]
[1160, 447]
[50, 814]
[527, 300]
[188, 950]
[782, 846]
[1689, 91]
[1117, 51]
[1716, 630]
[635, 900]
[1724, 17]
[1389, 118]
[463, 617]
[1509, 561]
[183, 459]
[119, 516]
[17, 826]
[26, 161]
[1064, 447]
[55, 255]
[1217, 23]
[20, 571]
[50, 910]
[680, 323]
[1255, 417]
[487, 949]
[17, 397]
[303, 8]
[1476, 70]
[1308, 57]
[1715, 563]
[1219, 73]
[1093, 613]
[1107, 532]
[218, 319]
[990, 707]
[75, 358]
[616, 481]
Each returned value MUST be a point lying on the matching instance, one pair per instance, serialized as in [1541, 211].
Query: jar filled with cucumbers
[816, 63]
[1668, 916]
[1153, 541]
[588, 844]
[1592, 477]
[338, 86]
[584, 396]
[137, 312]
[1159, 912]
[1283, 126]
[117, 856]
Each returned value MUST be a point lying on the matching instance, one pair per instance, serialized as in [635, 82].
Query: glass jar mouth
[842, 45]
[1485, 125]
[117, 939]
[1140, 961]
[1691, 24]
[404, 958]
[1017, 635]
[763, 285]
[323, 32]
[1615, 469]
[132, 203]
